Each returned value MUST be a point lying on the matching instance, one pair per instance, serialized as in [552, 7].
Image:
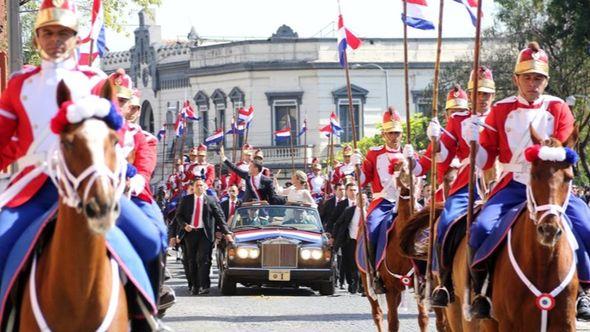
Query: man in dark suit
[345, 234]
[351, 190]
[200, 215]
[258, 186]
[230, 205]
[327, 207]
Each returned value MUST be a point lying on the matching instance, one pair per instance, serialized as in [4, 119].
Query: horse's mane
[417, 225]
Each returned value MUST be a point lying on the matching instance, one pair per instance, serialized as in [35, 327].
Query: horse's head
[550, 184]
[88, 170]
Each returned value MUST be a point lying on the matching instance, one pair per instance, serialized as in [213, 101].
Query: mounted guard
[506, 136]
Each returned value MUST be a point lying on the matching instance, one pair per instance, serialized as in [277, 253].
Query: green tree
[116, 13]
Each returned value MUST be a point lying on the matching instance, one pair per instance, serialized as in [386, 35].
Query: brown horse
[539, 242]
[73, 284]
[395, 268]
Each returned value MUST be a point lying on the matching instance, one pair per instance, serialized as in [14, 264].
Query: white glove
[356, 159]
[136, 185]
[471, 129]
[408, 151]
[434, 130]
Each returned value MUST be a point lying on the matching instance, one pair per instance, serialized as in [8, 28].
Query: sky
[240, 19]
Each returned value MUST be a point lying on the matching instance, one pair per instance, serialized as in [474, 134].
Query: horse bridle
[548, 209]
[67, 184]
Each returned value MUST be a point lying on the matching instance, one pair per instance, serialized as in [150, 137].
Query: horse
[73, 273]
[397, 271]
[542, 248]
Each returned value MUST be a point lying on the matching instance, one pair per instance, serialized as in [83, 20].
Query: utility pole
[15, 47]
[3, 45]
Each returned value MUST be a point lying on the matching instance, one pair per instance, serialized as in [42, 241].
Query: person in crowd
[298, 192]
[200, 215]
[258, 186]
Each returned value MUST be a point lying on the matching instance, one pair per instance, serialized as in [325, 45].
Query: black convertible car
[276, 246]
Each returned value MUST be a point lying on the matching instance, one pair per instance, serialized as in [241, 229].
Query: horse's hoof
[481, 307]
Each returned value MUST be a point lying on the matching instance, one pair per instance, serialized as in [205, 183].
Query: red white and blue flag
[283, 134]
[179, 125]
[303, 128]
[161, 133]
[419, 15]
[96, 34]
[345, 39]
[188, 111]
[336, 128]
[471, 6]
[239, 129]
[326, 130]
[216, 138]
[246, 115]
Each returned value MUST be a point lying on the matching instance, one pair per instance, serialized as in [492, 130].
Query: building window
[220, 120]
[286, 113]
[202, 101]
[285, 109]
[236, 106]
[344, 117]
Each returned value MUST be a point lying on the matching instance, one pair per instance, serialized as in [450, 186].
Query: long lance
[182, 140]
[329, 164]
[434, 144]
[164, 150]
[305, 146]
[235, 136]
[291, 141]
[407, 103]
[357, 175]
[472, 151]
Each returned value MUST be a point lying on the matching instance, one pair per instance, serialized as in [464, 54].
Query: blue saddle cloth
[118, 246]
[493, 241]
[380, 221]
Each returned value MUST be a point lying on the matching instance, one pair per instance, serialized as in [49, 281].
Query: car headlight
[248, 252]
[311, 253]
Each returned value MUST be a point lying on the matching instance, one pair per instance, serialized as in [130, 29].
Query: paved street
[271, 309]
[254, 309]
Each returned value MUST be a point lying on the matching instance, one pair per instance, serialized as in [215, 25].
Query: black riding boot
[481, 306]
[444, 293]
[583, 303]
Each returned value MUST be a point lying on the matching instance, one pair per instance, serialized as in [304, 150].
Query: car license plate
[279, 275]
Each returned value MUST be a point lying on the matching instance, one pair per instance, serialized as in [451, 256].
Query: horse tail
[414, 235]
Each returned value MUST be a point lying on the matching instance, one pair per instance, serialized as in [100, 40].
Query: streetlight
[385, 72]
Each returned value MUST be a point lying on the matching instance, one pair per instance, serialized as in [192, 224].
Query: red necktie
[197, 220]
[232, 209]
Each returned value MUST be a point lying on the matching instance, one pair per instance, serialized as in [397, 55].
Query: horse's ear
[63, 93]
[537, 139]
[573, 139]
[107, 91]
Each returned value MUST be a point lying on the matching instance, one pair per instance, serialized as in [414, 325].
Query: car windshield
[289, 217]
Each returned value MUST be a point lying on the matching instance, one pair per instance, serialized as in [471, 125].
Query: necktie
[232, 208]
[197, 221]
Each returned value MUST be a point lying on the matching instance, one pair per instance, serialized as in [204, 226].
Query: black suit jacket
[213, 217]
[266, 190]
[336, 213]
[225, 207]
[341, 235]
[325, 209]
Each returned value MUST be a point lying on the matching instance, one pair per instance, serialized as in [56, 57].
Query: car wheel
[327, 288]
[226, 286]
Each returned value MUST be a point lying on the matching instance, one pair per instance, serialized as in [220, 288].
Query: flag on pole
[471, 6]
[283, 134]
[239, 129]
[326, 130]
[188, 111]
[179, 125]
[419, 15]
[303, 128]
[246, 115]
[345, 39]
[336, 128]
[216, 138]
[97, 34]
[161, 133]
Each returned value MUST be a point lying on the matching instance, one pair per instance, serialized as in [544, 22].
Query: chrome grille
[279, 255]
